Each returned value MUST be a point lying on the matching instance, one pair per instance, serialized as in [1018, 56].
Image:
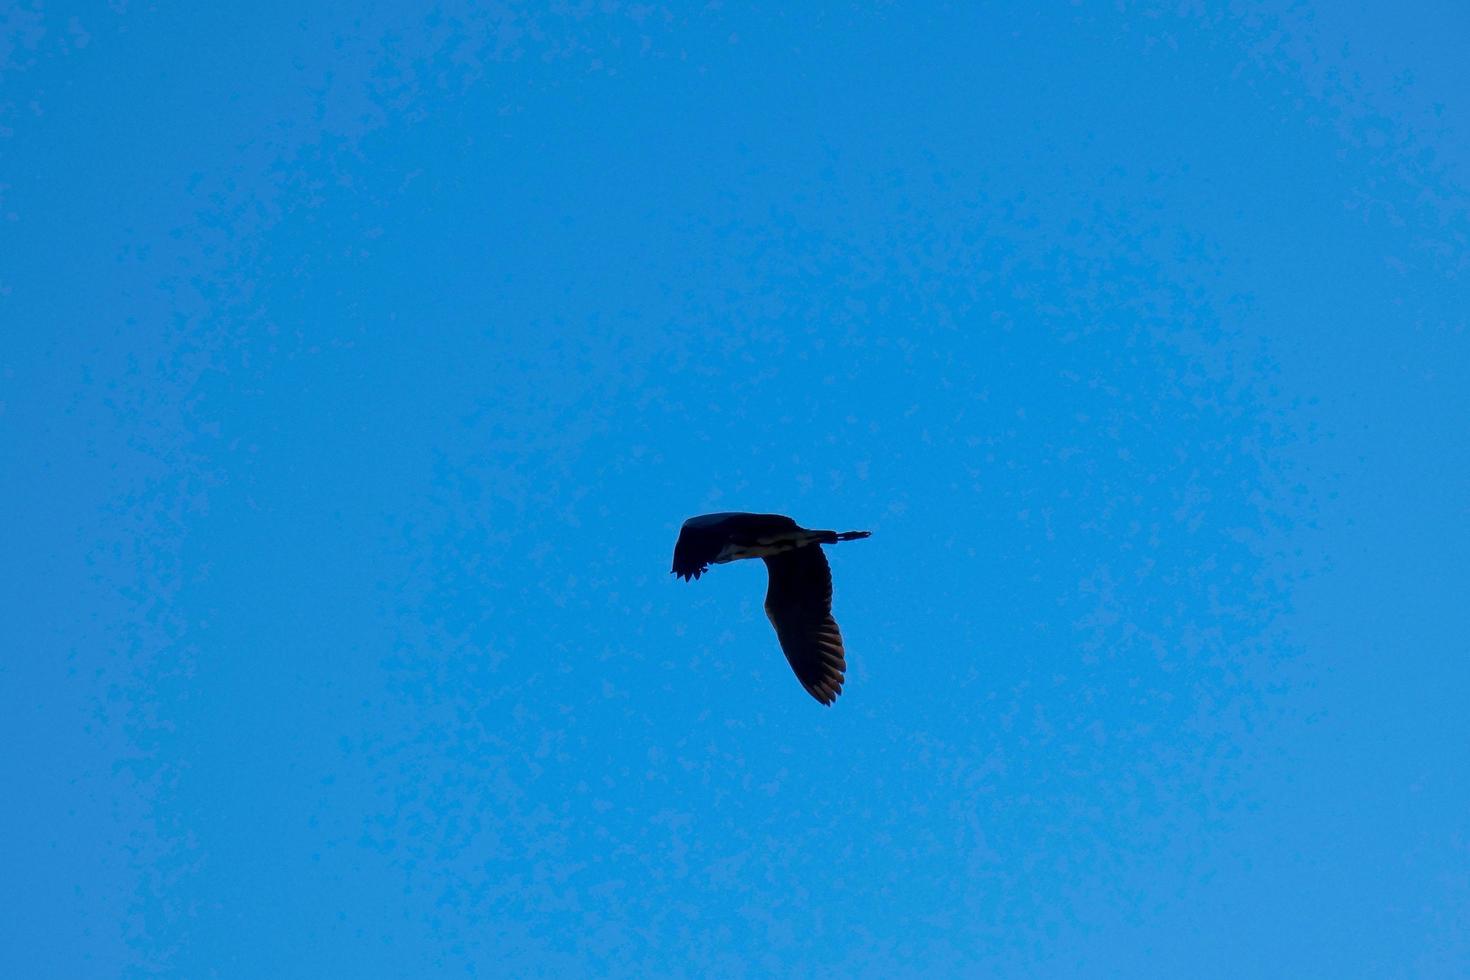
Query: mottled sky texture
[360, 362]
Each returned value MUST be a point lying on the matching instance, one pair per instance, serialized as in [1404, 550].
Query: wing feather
[799, 606]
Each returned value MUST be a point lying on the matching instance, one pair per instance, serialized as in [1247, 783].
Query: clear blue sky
[360, 364]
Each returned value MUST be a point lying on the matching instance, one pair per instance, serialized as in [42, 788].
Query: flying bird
[799, 596]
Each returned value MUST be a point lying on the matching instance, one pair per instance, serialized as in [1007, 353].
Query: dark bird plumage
[799, 596]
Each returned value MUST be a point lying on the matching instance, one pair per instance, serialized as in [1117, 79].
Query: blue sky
[360, 366]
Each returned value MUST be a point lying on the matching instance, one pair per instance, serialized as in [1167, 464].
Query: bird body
[799, 594]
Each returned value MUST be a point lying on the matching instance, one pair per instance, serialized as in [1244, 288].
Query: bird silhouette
[799, 594]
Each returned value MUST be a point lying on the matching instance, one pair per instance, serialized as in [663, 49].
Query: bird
[799, 592]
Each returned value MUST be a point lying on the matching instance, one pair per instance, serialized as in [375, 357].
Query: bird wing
[799, 606]
[696, 548]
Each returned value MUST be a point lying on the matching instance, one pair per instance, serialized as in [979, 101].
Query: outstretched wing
[696, 548]
[703, 540]
[799, 605]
